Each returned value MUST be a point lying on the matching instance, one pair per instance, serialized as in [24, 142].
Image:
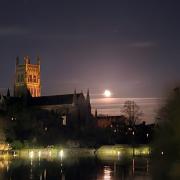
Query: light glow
[61, 153]
[31, 154]
[39, 154]
[50, 153]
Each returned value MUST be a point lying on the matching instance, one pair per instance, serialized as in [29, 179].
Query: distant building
[27, 78]
[109, 121]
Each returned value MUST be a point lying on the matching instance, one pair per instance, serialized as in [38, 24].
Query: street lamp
[133, 142]
[147, 135]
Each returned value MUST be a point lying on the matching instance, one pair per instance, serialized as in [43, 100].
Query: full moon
[107, 93]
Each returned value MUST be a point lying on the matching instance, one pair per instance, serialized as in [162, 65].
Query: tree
[166, 145]
[132, 112]
[32, 125]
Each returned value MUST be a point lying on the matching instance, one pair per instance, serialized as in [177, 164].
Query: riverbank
[54, 152]
[106, 151]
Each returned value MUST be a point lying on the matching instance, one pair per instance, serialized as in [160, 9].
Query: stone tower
[27, 78]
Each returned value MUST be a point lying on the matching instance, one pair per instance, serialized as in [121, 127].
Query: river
[73, 168]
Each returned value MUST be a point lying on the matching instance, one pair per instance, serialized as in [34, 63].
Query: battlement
[27, 61]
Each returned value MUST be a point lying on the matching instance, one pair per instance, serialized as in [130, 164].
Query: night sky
[130, 47]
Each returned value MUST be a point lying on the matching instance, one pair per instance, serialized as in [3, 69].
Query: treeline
[27, 126]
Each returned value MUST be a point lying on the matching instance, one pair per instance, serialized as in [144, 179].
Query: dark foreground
[74, 168]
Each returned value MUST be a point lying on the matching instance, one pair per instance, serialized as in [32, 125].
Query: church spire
[38, 60]
[26, 60]
[88, 97]
[96, 113]
[8, 93]
[75, 98]
[17, 60]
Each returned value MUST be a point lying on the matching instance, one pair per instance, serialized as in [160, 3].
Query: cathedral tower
[27, 78]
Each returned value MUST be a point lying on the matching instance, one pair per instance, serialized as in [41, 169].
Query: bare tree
[132, 112]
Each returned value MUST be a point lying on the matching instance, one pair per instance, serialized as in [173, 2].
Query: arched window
[34, 78]
[30, 78]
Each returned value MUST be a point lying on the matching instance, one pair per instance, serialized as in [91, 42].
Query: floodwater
[75, 169]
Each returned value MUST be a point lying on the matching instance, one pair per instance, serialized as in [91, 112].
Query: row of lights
[133, 133]
[31, 154]
[147, 134]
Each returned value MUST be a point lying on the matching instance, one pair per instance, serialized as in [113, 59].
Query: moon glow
[107, 93]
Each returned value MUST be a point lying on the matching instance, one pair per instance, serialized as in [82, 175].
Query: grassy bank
[104, 152]
[54, 152]
[117, 151]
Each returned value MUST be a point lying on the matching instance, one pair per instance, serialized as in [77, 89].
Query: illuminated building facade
[27, 78]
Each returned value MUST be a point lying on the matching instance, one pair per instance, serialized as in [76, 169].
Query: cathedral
[27, 89]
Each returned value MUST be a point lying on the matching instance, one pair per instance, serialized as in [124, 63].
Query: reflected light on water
[56, 169]
[133, 166]
[61, 168]
[40, 178]
[45, 174]
[63, 177]
[147, 166]
[4, 164]
[107, 173]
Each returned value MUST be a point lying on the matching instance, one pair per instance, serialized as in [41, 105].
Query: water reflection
[107, 173]
[4, 164]
[74, 168]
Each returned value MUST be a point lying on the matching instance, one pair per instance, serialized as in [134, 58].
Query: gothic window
[30, 78]
[34, 78]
